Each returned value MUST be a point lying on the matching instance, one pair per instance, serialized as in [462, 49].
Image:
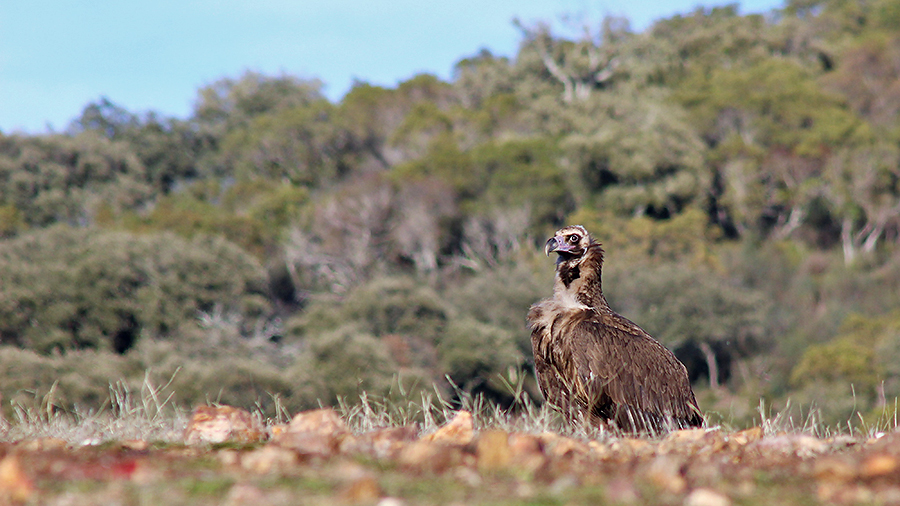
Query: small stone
[309, 444]
[429, 456]
[834, 469]
[746, 436]
[458, 431]
[801, 445]
[526, 452]
[15, 486]
[44, 444]
[218, 424]
[682, 441]
[318, 421]
[665, 472]
[633, 447]
[229, 457]
[492, 450]
[138, 445]
[686, 435]
[560, 446]
[316, 433]
[706, 497]
[876, 466]
[387, 443]
[267, 459]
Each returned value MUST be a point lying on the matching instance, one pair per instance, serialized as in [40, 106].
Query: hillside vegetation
[278, 248]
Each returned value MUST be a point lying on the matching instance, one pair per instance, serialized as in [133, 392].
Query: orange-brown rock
[879, 465]
[746, 436]
[268, 458]
[318, 421]
[429, 456]
[527, 451]
[15, 486]
[458, 431]
[492, 450]
[316, 433]
[664, 472]
[383, 443]
[218, 424]
[706, 497]
[835, 469]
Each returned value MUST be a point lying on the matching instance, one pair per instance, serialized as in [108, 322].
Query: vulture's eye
[573, 238]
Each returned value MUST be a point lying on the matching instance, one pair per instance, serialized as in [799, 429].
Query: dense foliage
[742, 171]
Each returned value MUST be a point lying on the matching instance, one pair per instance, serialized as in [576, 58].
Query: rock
[492, 450]
[526, 451]
[383, 444]
[706, 497]
[633, 447]
[665, 472]
[137, 445]
[834, 469]
[682, 441]
[746, 436]
[44, 444]
[324, 421]
[685, 436]
[878, 465]
[559, 446]
[458, 431]
[15, 486]
[801, 445]
[310, 444]
[316, 433]
[267, 459]
[429, 456]
[219, 424]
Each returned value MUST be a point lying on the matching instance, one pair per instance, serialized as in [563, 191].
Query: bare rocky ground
[227, 456]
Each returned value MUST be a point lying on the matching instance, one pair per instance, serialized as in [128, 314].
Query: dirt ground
[228, 458]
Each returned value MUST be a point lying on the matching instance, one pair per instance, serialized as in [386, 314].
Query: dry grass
[152, 414]
[790, 458]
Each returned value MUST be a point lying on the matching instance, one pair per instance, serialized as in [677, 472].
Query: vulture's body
[596, 365]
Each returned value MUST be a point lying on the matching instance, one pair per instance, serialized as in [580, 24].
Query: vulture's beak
[551, 246]
[558, 245]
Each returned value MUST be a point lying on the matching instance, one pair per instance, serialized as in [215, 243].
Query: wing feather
[641, 378]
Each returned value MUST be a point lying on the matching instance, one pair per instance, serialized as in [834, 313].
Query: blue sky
[58, 55]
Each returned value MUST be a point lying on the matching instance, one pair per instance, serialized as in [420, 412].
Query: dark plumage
[594, 364]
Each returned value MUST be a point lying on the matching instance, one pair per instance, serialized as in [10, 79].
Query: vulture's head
[579, 262]
[570, 243]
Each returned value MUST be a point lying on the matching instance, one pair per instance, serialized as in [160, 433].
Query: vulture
[595, 365]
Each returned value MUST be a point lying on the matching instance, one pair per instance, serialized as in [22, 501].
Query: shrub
[343, 363]
[63, 288]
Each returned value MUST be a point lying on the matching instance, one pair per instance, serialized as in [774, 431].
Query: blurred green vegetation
[742, 172]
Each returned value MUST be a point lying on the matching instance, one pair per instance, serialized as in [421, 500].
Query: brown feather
[595, 364]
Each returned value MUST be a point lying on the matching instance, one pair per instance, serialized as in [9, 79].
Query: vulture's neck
[578, 279]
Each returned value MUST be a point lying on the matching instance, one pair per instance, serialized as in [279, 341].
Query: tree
[864, 190]
[636, 154]
[770, 127]
[580, 66]
[60, 178]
